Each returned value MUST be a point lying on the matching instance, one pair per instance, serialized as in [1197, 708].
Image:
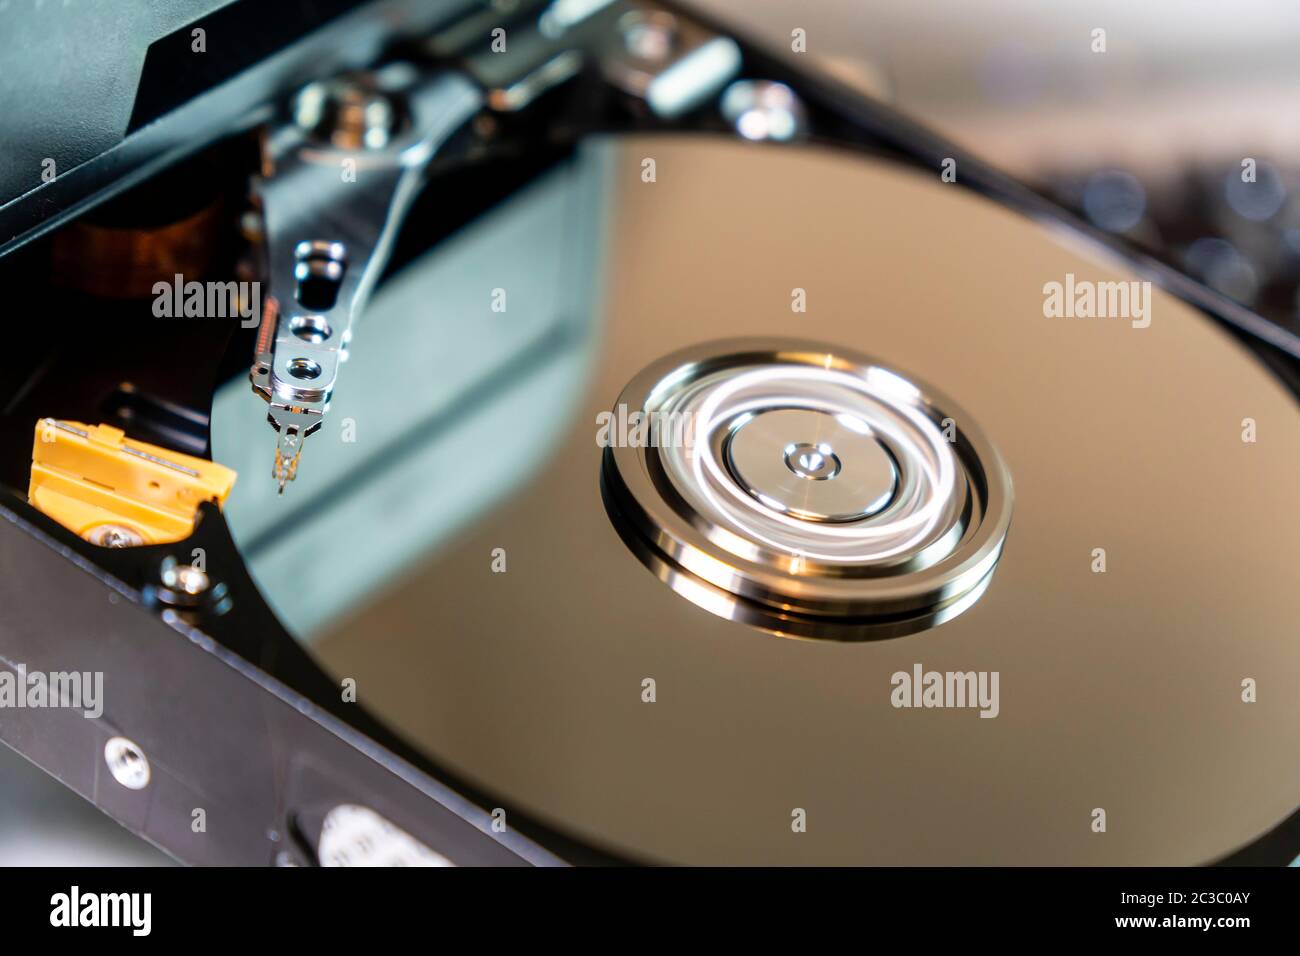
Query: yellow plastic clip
[117, 493]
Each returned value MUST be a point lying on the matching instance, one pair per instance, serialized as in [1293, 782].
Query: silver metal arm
[338, 181]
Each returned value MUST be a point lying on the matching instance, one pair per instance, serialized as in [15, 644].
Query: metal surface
[339, 180]
[1120, 690]
[358, 836]
[80, 87]
[757, 551]
[601, 578]
[264, 762]
[842, 475]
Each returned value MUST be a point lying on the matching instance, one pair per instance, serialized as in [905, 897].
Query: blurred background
[1149, 139]
[1146, 130]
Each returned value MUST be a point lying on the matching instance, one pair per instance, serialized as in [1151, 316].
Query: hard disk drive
[648, 450]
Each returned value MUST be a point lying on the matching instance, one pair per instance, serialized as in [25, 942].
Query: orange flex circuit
[119, 493]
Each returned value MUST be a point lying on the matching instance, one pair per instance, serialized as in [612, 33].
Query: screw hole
[311, 328]
[304, 369]
[318, 273]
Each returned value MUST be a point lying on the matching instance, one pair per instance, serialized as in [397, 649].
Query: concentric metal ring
[869, 551]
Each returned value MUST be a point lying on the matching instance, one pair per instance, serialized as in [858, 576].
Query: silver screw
[185, 578]
[764, 110]
[127, 762]
[348, 112]
[649, 36]
[114, 536]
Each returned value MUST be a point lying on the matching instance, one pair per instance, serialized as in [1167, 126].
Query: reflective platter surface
[453, 553]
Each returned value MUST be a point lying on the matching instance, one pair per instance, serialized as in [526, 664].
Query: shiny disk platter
[790, 506]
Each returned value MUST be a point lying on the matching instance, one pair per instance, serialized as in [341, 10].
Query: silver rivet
[127, 762]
